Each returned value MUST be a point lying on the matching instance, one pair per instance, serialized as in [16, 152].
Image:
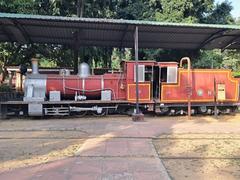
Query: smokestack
[35, 66]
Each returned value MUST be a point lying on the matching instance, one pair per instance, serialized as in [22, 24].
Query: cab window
[169, 74]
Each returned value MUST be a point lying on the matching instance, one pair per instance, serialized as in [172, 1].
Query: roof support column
[137, 116]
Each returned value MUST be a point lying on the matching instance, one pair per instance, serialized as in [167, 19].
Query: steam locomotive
[164, 88]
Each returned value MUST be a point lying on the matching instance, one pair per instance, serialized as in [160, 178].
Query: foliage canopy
[189, 11]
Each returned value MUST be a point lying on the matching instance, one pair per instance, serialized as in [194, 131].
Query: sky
[236, 7]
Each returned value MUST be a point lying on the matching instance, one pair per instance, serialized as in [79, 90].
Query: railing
[10, 96]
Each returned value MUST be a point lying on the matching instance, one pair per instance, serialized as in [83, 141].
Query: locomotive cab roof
[164, 63]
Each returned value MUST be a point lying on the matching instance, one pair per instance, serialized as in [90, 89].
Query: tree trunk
[110, 58]
[4, 74]
[80, 8]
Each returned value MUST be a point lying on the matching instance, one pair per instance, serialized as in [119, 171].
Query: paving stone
[89, 176]
[148, 176]
[115, 165]
[118, 176]
[117, 148]
[140, 147]
[50, 176]
[144, 165]
[93, 147]
[87, 166]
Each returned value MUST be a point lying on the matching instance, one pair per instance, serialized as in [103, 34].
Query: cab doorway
[156, 83]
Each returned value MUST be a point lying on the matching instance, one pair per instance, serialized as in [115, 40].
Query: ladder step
[61, 111]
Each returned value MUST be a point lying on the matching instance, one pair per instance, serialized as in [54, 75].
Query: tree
[221, 14]
[208, 59]
[17, 6]
[200, 11]
[188, 11]
[231, 60]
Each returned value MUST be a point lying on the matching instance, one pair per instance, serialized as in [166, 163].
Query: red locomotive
[164, 88]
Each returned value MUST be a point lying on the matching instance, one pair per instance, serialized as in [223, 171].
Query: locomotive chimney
[35, 66]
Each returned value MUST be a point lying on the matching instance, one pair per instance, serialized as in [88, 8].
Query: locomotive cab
[151, 76]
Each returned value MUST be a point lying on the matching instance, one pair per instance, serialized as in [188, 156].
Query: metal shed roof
[115, 33]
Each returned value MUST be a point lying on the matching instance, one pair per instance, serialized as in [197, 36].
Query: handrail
[189, 86]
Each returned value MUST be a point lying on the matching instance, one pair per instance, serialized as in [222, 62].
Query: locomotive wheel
[202, 109]
[103, 113]
[130, 111]
[80, 114]
[163, 111]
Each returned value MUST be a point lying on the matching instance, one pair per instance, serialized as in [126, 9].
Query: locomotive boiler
[80, 87]
[164, 88]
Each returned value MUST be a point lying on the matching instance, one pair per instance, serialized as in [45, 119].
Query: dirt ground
[17, 153]
[200, 156]
[185, 155]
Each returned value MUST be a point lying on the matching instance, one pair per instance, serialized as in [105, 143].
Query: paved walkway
[113, 150]
[101, 158]
[93, 168]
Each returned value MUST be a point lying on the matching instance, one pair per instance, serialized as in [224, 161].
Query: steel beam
[213, 36]
[111, 40]
[136, 66]
[6, 32]
[23, 31]
[231, 42]
[123, 35]
[77, 26]
[137, 116]
[15, 31]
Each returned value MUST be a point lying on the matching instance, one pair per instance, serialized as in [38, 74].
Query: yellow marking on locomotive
[148, 99]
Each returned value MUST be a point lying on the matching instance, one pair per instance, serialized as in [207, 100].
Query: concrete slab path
[101, 159]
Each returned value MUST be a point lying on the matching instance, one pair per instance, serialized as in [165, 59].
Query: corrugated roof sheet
[73, 31]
